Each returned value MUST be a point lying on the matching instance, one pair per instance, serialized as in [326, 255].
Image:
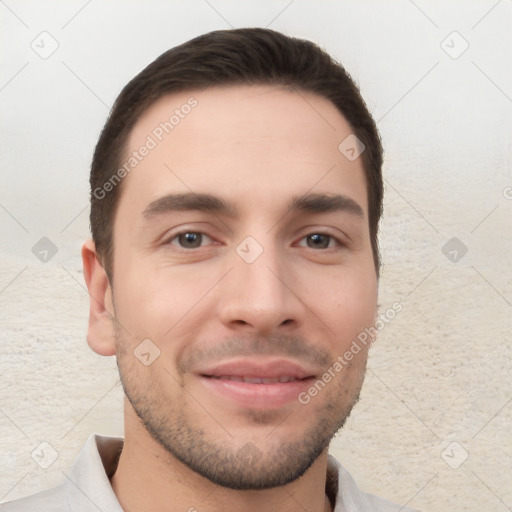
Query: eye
[190, 240]
[319, 241]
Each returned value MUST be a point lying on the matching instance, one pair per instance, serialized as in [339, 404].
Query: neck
[149, 478]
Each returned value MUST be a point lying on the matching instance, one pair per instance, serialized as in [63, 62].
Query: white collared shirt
[87, 486]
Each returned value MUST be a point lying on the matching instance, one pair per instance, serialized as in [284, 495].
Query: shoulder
[87, 485]
[51, 500]
[351, 499]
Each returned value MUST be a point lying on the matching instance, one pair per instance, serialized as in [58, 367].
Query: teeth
[258, 380]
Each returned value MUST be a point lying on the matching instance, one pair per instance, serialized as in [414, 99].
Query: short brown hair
[247, 56]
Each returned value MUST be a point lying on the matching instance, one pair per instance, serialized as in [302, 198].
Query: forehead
[240, 140]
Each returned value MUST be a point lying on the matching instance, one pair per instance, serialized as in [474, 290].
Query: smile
[256, 380]
[257, 383]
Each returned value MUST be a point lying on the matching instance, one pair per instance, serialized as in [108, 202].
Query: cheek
[351, 307]
[156, 303]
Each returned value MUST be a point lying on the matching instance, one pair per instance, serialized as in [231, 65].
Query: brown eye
[318, 241]
[190, 240]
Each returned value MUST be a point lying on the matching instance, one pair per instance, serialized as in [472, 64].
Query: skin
[303, 299]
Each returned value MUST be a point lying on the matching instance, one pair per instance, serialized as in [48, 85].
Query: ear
[100, 332]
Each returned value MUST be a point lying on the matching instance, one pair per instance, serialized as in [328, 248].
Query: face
[242, 256]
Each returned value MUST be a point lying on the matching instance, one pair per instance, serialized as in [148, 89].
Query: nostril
[240, 322]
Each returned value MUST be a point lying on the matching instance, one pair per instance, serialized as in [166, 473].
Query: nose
[259, 297]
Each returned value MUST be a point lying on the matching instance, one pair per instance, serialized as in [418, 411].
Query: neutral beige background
[438, 387]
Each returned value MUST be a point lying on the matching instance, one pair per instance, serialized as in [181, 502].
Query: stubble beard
[262, 463]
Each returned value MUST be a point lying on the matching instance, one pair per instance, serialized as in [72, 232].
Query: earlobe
[100, 332]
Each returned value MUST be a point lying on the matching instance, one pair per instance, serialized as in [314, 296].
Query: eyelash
[331, 238]
[187, 232]
[176, 237]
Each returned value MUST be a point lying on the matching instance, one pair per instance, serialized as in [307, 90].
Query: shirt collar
[87, 483]
[89, 490]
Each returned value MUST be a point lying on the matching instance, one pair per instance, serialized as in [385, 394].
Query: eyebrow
[313, 203]
[188, 201]
[325, 203]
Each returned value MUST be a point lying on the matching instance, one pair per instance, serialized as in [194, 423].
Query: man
[236, 191]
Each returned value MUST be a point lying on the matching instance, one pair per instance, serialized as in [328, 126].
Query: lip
[225, 380]
[258, 368]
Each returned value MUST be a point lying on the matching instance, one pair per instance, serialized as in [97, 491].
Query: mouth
[261, 384]
[255, 380]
